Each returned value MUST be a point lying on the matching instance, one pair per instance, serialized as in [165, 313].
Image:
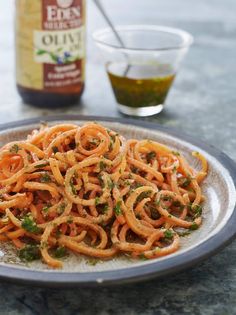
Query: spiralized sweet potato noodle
[93, 192]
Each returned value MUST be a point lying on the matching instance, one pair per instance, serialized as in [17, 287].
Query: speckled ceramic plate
[217, 230]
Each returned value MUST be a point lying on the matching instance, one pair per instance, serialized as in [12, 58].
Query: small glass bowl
[142, 73]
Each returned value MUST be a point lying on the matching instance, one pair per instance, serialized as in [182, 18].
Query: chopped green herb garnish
[134, 169]
[176, 153]
[142, 257]
[144, 194]
[168, 234]
[186, 182]
[117, 208]
[55, 149]
[182, 234]
[194, 226]
[15, 148]
[46, 209]
[176, 203]
[167, 198]
[127, 183]
[30, 225]
[155, 215]
[110, 184]
[102, 166]
[70, 220]
[103, 224]
[73, 189]
[29, 253]
[137, 185]
[94, 141]
[58, 233]
[105, 208]
[45, 178]
[197, 209]
[150, 156]
[113, 137]
[92, 261]
[101, 181]
[44, 245]
[189, 206]
[61, 208]
[41, 165]
[97, 201]
[60, 252]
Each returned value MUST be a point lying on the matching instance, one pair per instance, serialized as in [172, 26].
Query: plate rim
[138, 273]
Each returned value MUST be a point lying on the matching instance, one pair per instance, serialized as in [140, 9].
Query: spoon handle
[109, 22]
[119, 39]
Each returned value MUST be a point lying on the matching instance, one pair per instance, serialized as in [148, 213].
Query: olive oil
[140, 85]
[50, 51]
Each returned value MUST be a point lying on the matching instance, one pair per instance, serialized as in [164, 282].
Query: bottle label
[50, 37]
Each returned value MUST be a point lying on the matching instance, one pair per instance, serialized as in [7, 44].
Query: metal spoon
[116, 34]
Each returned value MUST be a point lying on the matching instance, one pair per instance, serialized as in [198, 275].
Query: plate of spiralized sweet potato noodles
[92, 201]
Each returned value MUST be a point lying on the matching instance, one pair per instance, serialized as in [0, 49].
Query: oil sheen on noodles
[91, 191]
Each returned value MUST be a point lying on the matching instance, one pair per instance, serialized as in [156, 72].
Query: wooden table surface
[202, 103]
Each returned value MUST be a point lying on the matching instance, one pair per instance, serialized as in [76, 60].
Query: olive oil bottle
[50, 51]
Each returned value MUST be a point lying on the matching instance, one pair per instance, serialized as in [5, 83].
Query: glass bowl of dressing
[142, 64]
